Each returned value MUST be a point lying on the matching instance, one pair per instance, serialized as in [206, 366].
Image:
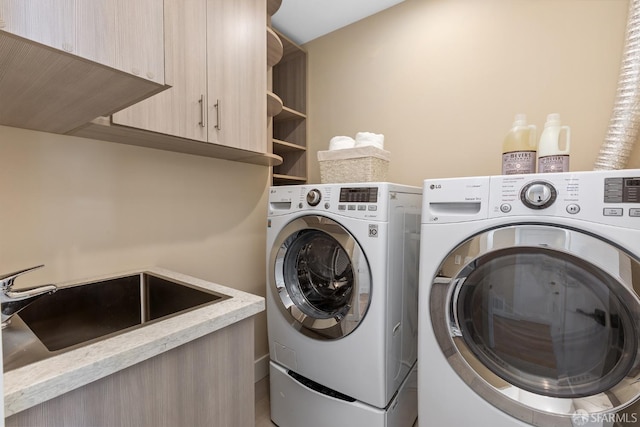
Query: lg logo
[435, 186]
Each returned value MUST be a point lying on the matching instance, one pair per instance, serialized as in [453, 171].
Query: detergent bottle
[553, 149]
[519, 148]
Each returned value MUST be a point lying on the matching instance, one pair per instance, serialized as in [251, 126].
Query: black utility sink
[85, 313]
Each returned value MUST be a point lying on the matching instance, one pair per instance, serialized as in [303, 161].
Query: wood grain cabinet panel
[50, 22]
[65, 62]
[126, 35]
[206, 382]
[181, 110]
[236, 42]
[215, 63]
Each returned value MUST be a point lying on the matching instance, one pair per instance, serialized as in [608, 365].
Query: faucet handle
[6, 280]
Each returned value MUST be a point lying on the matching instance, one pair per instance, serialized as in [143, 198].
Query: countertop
[40, 381]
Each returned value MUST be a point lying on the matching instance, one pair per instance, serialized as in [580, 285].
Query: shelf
[274, 48]
[289, 130]
[291, 50]
[102, 129]
[286, 147]
[290, 114]
[273, 6]
[274, 104]
[288, 179]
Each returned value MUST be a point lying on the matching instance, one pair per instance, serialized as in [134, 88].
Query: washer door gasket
[321, 277]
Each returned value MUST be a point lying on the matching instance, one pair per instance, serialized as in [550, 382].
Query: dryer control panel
[622, 190]
[606, 197]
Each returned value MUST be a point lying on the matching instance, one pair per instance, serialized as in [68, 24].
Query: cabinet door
[236, 47]
[50, 22]
[181, 110]
[140, 38]
[123, 34]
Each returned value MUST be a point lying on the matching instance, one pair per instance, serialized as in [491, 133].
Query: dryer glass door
[321, 276]
[547, 316]
[546, 321]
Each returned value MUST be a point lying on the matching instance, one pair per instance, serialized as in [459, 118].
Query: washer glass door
[321, 277]
[550, 315]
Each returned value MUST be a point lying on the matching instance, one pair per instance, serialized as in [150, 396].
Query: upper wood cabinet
[180, 111]
[215, 63]
[50, 22]
[65, 62]
[124, 34]
[236, 42]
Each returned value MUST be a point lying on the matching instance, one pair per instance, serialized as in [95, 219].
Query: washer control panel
[360, 200]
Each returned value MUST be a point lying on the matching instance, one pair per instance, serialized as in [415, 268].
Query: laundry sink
[85, 313]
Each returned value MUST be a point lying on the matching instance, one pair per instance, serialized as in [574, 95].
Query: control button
[362, 208]
[573, 208]
[313, 197]
[505, 208]
[373, 207]
[612, 211]
[342, 207]
[300, 205]
[634, 212]
[352, 207]
[538, 195]
[327, 205]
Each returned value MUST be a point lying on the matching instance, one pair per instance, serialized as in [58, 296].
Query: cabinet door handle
[202, 112]
[218, 115]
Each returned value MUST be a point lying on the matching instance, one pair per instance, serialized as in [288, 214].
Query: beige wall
[443, 79]
[86, 208]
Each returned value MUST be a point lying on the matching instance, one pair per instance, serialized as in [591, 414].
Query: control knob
[313, 197]
[538, 195]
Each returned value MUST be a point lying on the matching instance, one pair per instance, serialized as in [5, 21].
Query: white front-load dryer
[342, 279]
[529, 300]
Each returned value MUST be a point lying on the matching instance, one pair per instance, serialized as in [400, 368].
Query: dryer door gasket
[541, 331]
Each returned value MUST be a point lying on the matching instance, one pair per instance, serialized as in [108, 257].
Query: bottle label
[553, 164]
[516, 162]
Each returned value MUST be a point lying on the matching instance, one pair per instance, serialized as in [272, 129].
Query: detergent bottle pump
[519, 148]
[553, 149]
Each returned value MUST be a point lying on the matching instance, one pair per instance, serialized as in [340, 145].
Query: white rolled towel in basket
[364, 139]
[341, 142]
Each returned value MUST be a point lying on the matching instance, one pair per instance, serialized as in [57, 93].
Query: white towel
[341, 142]
[364, 139]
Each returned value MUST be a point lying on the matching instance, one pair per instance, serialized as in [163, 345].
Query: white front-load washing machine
[342, 279]
[529, 300]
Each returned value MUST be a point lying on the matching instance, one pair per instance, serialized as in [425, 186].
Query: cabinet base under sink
[206, 382]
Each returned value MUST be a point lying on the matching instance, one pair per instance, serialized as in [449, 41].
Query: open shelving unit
[289, 82]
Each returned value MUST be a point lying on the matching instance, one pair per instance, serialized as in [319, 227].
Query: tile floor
[262, 404]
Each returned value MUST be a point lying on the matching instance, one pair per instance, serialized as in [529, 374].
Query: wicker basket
[360, 164]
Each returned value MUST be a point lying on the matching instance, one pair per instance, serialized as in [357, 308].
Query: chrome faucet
[13, 301]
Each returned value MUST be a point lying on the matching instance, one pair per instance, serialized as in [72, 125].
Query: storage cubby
[289, 82]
